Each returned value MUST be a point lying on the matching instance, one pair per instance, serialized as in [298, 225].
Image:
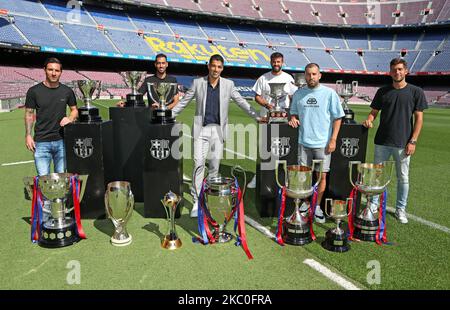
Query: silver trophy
[220, 196]
[134, 79]
[59, 229]
[170, 203]
[347, 91]
[119, 203]
[336, 238]
[300, 80]
[86, 89]
[164, 95]
[299, 186]
[372, 180]
[277, 93]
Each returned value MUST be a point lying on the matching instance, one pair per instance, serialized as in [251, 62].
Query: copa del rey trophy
[165, 93]
[347, 91]
[133, 79]
[336, 238]
[277, 114]
[85, 91]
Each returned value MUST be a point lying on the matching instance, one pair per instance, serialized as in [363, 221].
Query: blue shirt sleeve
[294, 103]
[336, 109]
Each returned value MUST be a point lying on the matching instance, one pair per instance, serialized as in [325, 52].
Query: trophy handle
[389, 165]
[240, 169]
[277, 164]
[315, 163]
[327, 202]
[83, 178]
[131, 206]
[350, 166]
[349, 205]
[99, 90]
[150, 87]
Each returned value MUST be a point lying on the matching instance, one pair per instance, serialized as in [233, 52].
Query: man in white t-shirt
[262, 90]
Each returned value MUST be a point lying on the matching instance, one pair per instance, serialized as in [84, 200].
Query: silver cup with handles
[336, 238]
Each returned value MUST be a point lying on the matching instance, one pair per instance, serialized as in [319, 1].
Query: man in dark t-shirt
[45, 109]
[160, 76]
[401, 105]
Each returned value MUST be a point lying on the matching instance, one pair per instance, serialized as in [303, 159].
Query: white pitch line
[423, 221]
[310, 262]
[18, 163]
[330, 274]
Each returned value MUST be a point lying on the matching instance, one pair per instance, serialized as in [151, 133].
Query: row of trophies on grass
[86, 90]
[59, 223]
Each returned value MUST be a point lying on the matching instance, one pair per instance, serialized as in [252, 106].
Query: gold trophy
[299, 186]
[170, 203]
[119, 203]
[336, 238]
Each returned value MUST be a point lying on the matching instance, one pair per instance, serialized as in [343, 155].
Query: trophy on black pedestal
[277, 114]
[165, 92]
[336, 238]
[347, 91]
[133, 79]
[85, 91]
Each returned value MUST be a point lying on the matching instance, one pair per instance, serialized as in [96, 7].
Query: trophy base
[349, 117]
[58, 237]
[277, 117]
[171, 244]
[296, 234]
[89, 115]
[224, 237]
[135, 100]
[336, 241]
[121, 242]
[365, 230]
[160, 116]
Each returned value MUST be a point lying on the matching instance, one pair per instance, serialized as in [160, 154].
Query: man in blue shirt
[317, 111]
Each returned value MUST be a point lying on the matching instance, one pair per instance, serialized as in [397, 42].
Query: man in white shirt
[262, 90]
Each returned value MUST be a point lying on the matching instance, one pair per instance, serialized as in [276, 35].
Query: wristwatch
[413, 142]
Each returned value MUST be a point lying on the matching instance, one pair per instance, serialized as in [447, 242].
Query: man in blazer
[212, 95]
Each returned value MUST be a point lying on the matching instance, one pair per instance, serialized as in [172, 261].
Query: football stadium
[106, 48]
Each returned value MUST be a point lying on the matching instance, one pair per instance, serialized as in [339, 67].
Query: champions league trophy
[372, 180]
[86, 90]
[277, 114]
[347, 91]
[170, 203]
[60, 228]
[119, 203]
[336, 238]
[220, 194]
[298, 186]
[299, 80]
[132, 79]
[165, 93]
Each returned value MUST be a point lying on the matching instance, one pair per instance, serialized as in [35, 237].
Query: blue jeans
[46, 152]
[383, 153]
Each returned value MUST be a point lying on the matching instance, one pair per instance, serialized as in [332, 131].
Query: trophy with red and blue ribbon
[63, 226]
[297, 228]
[220, 200]
[372, 181]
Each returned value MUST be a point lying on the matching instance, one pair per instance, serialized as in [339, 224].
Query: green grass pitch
[419, 258]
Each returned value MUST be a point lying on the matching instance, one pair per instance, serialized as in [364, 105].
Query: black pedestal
[89, 115]
[163, 168]
[336, 241]
[89, 150]
[351, 145]
[130, 127]
[135, 100]
[160, 116]
[275, 141]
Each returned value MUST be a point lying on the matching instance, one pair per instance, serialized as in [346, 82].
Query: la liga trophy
[133, 79]
[85, 91]
[165, 93]
[347, 91]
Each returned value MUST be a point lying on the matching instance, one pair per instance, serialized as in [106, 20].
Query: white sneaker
[319, 217]
[400, 214]
[252, 183]
[194, 211]
[186, 178]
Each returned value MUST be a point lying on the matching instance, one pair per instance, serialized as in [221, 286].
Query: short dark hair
[311, 65]
[161, 55]
[216, 57]
[276, 55]
[397, 61]
[52, 60]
